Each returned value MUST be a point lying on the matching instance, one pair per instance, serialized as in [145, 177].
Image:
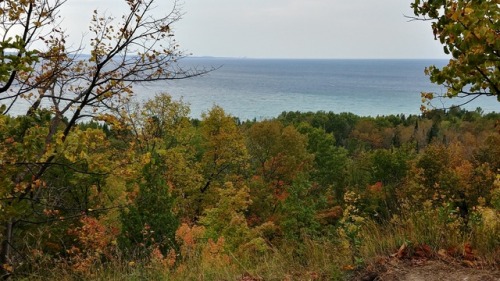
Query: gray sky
[285, 28]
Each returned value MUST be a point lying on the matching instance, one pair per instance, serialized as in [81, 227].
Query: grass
[313, 260]
[437, 228]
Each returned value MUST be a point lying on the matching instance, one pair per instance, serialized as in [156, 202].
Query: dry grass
[312, 260]
[439, 231]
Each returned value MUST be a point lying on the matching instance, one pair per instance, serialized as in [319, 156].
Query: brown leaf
[419, 262]
[468, 253]
[401, 252]
[442, 253]
[452, 251]
[381, 260]
[424, 251]
[468, 263]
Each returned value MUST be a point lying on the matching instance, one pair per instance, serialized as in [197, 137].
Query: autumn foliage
[212, 193]
[93, 183]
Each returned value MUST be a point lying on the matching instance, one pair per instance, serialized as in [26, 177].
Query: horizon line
[299, 58]
[306, 58]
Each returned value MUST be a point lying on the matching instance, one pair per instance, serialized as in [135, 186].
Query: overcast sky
[285, 28]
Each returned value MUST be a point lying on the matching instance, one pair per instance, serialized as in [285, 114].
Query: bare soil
[426, 270]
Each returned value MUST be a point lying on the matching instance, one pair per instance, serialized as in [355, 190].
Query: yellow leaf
[8, 267]
[146, 158]
[348, 267]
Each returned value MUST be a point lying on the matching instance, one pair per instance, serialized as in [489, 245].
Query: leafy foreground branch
[63, 87]
[468, 31]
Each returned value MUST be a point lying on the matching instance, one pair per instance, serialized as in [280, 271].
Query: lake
[263, 88]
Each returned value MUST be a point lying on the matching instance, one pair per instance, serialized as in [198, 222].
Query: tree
[330, 161]
[298, 211]
[224, 153]
[161, 126]
[150, 221]
[227, 218]
[63, 87]
[279, 153]
[278, 157]
[469, 31]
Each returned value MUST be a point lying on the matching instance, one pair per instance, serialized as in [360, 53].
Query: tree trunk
[6, 248]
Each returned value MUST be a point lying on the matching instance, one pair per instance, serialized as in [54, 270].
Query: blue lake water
[263, 88]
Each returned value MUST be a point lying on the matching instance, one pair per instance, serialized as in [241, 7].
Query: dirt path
[432, 270]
